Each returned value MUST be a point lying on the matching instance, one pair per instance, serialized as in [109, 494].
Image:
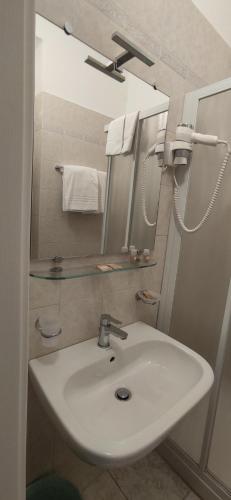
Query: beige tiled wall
[78, 303]
[64, 133]
[189, 54]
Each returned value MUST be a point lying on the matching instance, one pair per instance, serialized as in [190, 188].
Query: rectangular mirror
[74, 105]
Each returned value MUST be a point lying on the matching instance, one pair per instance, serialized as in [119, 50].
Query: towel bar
[59, 169]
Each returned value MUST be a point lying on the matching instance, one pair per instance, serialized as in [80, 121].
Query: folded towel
[121, 134]
[129, 131]
[80, 189]
[115, 136]
[102, 178]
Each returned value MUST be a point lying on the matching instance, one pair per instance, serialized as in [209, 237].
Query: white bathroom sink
[77, 386]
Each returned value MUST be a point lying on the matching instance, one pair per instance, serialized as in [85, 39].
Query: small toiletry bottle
[139, 254]
[146, 255]
[133, 255]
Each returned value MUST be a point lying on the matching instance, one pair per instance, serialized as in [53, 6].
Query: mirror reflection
[91, 167]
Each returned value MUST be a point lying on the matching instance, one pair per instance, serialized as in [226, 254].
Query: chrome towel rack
[59, 169]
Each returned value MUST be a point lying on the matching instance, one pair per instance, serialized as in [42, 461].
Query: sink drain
[123, 394]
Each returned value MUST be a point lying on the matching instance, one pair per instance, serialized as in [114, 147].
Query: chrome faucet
[107, 327]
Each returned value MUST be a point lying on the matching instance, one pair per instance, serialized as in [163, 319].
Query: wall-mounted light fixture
[131, 51]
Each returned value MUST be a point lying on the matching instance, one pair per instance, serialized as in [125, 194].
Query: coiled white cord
[213, 198]
[143, 197]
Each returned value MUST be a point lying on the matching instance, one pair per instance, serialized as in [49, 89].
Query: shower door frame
[16, 143]
[191, 104]
[196, 474]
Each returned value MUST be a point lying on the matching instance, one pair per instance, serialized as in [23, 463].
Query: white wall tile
[80, 319]
[121, 305]
[44, 293]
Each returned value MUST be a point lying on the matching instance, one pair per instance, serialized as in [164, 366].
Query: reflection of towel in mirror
[102, 177]
[115, 136]
[80, 189]
[129, 132]
[121, 133]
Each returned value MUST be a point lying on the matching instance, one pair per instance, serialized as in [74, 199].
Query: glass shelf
[79, 271]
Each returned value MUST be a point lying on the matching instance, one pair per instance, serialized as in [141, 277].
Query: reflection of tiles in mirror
[70, 134]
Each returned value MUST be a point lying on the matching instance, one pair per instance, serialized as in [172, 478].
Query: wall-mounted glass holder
[71, 271]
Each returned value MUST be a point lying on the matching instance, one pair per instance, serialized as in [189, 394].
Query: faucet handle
[107, 319]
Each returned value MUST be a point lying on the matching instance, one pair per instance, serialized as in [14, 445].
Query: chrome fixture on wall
[131, 51]
[68, 28]
[147, 297]
[107, 328]
[49, 330]
[59, 168]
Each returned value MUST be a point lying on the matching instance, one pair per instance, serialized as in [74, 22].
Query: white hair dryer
[180, 153]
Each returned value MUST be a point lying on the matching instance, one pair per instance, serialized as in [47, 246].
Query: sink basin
[160, 381]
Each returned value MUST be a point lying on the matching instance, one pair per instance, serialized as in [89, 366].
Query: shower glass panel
[204, 266]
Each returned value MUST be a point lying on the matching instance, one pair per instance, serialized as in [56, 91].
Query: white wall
[65, 74]
[218, 13]
[60, 70]
[38, 66]
[141, 95]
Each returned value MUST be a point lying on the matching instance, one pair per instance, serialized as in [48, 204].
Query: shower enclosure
[196, 300]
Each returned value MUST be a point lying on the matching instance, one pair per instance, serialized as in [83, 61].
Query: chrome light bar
[131, 51]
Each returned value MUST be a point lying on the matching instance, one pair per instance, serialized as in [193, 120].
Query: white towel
[102, 178]
[80, 189]
[121, 134]
[129, 131]
[115, 136]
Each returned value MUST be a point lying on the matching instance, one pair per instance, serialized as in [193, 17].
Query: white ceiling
[218, 13]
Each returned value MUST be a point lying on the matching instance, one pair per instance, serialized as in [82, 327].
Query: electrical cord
[143, 197]
[212, 200]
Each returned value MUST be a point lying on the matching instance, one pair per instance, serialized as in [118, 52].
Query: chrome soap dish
[148, 296]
